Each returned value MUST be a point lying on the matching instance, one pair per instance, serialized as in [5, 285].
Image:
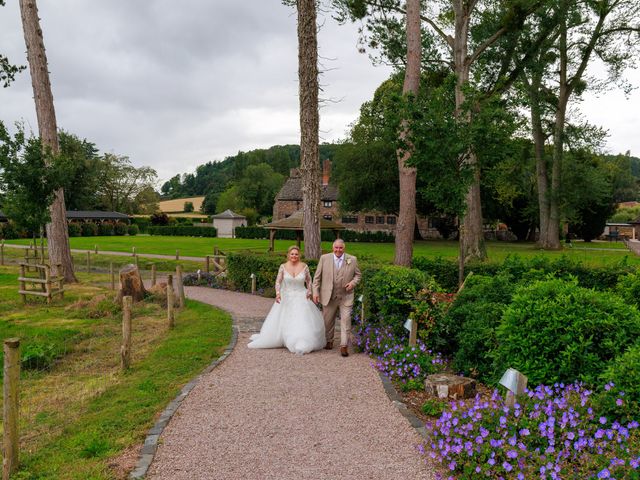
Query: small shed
[226, 223]
[296, 222]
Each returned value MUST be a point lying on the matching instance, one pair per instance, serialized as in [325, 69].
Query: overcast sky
[175, 84]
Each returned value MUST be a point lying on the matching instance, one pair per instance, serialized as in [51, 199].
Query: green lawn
[79, 411]
[592, 253]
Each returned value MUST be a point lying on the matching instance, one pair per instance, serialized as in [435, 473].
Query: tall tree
[407, 173]
[57, 234]
[309, 125]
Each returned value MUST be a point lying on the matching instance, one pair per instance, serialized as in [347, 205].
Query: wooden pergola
[296, 223]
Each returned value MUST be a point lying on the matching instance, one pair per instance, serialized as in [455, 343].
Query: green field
[596, 253]
[78, 411]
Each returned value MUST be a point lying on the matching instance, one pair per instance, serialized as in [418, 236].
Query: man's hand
[349, 286]
[316, 299]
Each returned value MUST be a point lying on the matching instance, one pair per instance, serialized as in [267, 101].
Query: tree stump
[446, 385]
[131, 284]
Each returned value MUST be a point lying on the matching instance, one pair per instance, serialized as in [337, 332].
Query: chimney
[326, 172]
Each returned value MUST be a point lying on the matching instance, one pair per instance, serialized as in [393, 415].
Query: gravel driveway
[269, 414]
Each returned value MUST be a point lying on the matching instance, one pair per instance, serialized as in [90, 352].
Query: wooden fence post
[88, 261]
[170, 300]
[181, 298]
[2, 253]
[23, 285]
[153, 274]
[96, 249]
[136, 260]
[177, 254]
[207, 263]
[253, 284]
[413, 333]
[133, 251]
[11, 406]
[113, 277]
[125, 348]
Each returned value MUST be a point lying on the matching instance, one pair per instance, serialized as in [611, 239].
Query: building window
[327, 204]
[368, 219]
[350, 219]
[379, 220]
[327, 217]
[391, 220]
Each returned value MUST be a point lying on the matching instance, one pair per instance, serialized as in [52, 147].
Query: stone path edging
[151, 441]
[415, 422]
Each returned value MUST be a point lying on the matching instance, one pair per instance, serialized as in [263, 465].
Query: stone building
[289, 200]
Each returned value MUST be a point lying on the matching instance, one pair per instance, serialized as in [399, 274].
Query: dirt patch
[124, 463]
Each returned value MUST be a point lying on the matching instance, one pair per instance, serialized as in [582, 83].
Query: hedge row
[101, 229]
[183, 231]
[326, 235]
[601, 277]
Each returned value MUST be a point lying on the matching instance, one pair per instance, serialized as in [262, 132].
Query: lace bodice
[285, 282]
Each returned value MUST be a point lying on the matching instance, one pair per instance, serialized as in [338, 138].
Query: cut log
[131, 284]
[447, 385]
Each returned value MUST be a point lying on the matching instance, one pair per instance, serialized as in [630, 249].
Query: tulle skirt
[295, 323]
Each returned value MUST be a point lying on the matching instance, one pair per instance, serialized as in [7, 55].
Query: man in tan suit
[336, 277]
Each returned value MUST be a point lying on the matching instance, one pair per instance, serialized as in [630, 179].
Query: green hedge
[143, 223]
[600, 278]
[179, 231]
[326, 235]
[556, 331]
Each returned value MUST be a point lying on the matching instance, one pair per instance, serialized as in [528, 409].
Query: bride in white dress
[294, 320]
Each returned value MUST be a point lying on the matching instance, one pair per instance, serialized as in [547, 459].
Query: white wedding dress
[295, 322]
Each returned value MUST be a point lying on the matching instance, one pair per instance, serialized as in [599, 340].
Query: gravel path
[269, 414]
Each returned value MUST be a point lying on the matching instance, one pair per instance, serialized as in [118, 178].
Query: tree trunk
[405, 227]
[472, 245]
[309, 126]
[541, 162]
[57, 233]
[131, 284]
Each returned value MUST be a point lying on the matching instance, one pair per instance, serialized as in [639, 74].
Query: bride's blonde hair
[292, 248]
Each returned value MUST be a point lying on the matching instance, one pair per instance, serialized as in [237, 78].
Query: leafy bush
[241, 266]
[39, 355]
[133, 230]
[179, 231]
[204, 279]
[556, 331]
[623, 375]
[433, 407]
[105, 229]
[159, 219]
[120, 228]
[89, 229]
[629, 288]
[74, 229]
[9, 231]
[390, 293]
[470, 323]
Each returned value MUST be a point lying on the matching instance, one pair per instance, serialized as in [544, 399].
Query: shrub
[133, 230]
[89, 229]
[468, 330]
[629, 288]
[204, 279]
[105, 229]
[159, 218]
[39, 355]
[555, 331]
[391, 292]
[120, 228]
[8, 230]
[74, 230]
[326, 235]
[179, 231]
[623, 376]
[142, 222]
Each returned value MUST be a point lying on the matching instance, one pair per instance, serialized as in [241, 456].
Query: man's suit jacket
[323, 279]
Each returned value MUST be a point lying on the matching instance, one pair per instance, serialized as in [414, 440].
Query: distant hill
[216, 176]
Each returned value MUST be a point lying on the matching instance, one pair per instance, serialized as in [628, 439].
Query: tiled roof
[292, 190]
[295, 222]
[228, 214]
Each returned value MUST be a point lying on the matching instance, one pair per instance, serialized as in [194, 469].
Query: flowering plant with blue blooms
[552, 433]
[393, 356]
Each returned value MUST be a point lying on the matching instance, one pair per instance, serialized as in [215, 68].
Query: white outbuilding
[226, 223]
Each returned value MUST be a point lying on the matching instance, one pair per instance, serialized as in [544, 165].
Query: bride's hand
[278, 298]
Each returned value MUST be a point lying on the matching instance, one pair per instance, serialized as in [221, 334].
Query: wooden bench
[44, 285]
